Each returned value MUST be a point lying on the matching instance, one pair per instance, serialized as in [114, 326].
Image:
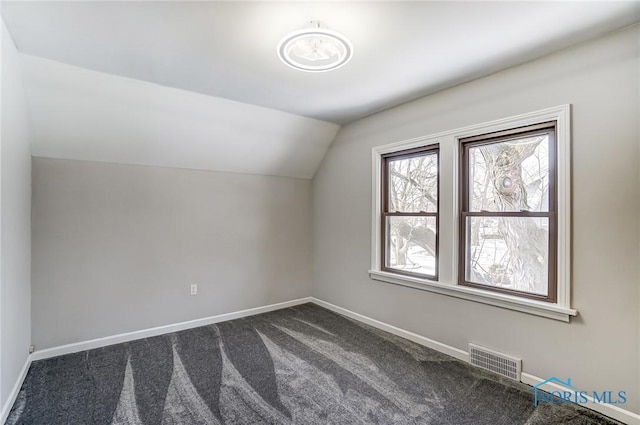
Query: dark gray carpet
[301, 365]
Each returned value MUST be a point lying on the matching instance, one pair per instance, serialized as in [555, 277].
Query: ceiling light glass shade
[315, 49]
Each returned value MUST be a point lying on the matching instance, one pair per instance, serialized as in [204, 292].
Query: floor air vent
[499, 363]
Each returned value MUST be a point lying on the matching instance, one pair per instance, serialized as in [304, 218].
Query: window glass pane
[510, 176]
[411, 244]
[413, 184]
[509, 252]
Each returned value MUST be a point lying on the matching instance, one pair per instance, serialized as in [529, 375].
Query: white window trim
[449, 148]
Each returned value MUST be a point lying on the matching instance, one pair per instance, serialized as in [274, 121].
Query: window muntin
[410, 212]
[508, 212]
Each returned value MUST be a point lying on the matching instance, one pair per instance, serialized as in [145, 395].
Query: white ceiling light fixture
[315, 49]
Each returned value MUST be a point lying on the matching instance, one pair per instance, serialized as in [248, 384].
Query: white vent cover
[494, 361]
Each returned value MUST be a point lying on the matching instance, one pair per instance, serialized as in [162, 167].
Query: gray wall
[15, 278]
[599, 349]
[115, 247]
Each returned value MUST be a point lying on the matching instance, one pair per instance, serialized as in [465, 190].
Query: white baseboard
[419, 339]
[4, 413]
[160, 330]
[610, 410]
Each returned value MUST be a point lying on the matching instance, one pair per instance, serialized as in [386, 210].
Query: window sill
[538, 308]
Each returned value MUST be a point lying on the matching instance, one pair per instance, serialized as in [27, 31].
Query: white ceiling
[199, 84]
[93, 116]
[403, 50]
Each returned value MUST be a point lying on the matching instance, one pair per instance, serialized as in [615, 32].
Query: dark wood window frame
[385, 212]
[549, 128]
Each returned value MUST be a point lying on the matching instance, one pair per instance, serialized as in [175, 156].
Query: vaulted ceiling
[199, 84]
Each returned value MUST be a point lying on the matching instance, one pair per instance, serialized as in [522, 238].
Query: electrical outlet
[194, 289]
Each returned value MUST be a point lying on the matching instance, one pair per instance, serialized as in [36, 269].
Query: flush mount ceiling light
[315, 49]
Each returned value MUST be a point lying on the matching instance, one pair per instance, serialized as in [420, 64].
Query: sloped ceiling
[88, 115]
[199, 85]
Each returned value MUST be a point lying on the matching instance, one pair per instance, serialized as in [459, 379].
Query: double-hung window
[481, 213]
[508, 212]
[409, 216]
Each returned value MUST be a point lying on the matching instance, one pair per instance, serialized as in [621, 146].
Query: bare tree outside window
[410, 212]
[508, 212]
